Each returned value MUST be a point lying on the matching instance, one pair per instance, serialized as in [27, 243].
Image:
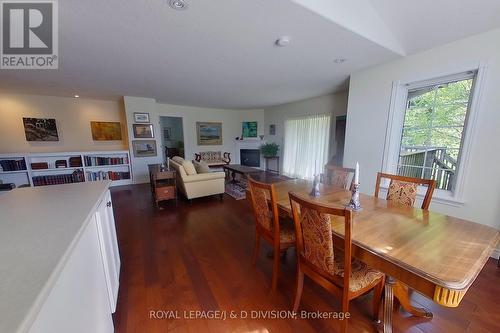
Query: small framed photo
[272, 129]
[167, 133]
[140, 117]
[144, 148]
[143, 131]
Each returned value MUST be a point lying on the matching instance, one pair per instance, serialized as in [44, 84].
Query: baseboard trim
[496, 253]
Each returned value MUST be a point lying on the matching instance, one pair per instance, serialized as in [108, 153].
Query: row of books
[105, 175]
[13, 165]
[75, 177]
[96, 161]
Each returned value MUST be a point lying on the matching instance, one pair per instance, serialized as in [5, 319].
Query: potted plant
[269, 149]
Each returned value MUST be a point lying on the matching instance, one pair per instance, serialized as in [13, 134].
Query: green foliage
[435, 117]
[269, 149]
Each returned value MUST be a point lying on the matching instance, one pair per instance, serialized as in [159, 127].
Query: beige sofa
[195, 185]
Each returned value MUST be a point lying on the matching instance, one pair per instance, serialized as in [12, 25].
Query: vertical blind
[306, 146]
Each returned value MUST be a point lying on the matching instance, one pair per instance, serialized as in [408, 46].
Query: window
[430, 131]
[306, 146]
[433, 130]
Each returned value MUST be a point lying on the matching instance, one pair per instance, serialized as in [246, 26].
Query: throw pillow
[201, 167]
[189, 167]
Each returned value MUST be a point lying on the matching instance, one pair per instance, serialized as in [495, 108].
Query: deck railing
[428, 163]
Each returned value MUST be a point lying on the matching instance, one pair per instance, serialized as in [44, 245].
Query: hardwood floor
[198, 257]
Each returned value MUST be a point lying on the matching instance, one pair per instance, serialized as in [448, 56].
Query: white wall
[336, 104]
[231, 128]
[369, 99]
[73, 117]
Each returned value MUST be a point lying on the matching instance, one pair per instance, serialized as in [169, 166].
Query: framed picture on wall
[40, 129]
[167, 133]
[106, 130]
[140, 117]
[249, 129]
[144, 148]
[209, 133]
[143, 131]
[272, 129]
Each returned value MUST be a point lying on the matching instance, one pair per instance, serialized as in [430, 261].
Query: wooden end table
[163, 184]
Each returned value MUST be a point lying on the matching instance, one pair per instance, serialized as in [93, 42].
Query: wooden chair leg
[345, 309]
[298, 290]
[377, 298]
[276, 267]
[256, 249]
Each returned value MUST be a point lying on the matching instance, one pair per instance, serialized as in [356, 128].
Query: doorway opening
[172, 136]
[340, 125]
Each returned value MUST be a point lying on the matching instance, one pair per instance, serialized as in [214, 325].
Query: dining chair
[403, 190]
[333, 269]
[273, 228]
[337, 176]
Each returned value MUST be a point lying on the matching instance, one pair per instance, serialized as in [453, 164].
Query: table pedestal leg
[401, 292]
[388, 303]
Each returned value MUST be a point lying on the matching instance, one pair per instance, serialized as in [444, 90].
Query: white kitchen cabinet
[109, 248]
[78, 301]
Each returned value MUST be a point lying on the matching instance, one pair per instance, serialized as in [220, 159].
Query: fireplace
[250, 157]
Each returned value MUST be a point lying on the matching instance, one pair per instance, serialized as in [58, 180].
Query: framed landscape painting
[209, 133]
[40, 129]
[143, 131]
[249, 129]
[105, 131]
[144, 148]
[141, 117]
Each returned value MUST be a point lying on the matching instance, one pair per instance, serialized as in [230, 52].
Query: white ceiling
[424, 24]
[221, 53]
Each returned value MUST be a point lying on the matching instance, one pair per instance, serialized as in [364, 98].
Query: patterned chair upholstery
[337, 176]
[332, 268]
[213, 158]
[269, 225]
[403, 190]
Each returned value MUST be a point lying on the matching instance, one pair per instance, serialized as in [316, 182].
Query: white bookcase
[18, 177]
[95, 165]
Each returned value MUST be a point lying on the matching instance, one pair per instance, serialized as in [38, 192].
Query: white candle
[356, 174]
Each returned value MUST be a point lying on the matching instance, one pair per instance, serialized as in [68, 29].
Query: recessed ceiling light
[339, 60]
[77, 96]
[178, 4]
[283, 41]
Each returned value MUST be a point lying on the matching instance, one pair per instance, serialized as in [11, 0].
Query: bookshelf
[40, 169]
[13, 169]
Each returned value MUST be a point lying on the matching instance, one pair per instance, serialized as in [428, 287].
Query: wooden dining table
[437, 255]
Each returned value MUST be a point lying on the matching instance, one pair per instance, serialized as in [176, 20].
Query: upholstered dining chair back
[338, 176]
[313, 234]
[403, 190]
[264, 206]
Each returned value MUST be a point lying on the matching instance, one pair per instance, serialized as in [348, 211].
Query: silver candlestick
[315, 189]
[354, 204]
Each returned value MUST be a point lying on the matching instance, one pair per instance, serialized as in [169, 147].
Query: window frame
[395, 123]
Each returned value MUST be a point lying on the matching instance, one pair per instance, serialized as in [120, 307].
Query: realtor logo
[29, 37]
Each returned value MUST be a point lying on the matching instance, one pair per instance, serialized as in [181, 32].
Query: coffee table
[257, 174]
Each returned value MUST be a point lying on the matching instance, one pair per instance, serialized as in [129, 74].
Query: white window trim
[395, 121]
